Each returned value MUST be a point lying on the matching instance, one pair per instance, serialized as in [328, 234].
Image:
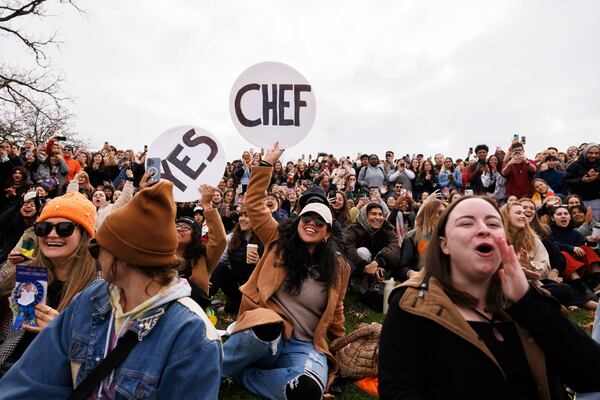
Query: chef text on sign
[272, 102]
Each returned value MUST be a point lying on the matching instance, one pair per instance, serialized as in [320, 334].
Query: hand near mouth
[512, 277]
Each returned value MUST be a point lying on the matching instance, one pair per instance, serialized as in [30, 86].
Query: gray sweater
[371, 176]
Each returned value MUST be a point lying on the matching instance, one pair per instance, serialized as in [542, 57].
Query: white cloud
[412, 76]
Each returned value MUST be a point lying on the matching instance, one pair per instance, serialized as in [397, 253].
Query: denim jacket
[180, 358]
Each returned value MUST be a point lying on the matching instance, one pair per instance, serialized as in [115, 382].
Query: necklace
[492, 321]
[482, 315]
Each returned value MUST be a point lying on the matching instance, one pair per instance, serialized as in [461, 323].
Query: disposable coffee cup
[251, 248]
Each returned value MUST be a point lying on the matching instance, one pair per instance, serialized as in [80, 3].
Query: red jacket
[519, 179]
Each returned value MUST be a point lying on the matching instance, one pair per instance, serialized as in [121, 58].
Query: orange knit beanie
[142, 233]
[73, 206]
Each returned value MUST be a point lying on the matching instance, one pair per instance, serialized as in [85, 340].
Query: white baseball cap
[320, 209]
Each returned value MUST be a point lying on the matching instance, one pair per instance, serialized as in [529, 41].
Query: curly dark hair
[297, 259]
[193, 251]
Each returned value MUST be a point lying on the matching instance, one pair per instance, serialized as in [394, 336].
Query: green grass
[355, 314]
[583, 318]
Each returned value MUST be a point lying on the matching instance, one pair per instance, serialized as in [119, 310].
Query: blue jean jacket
[180, 358]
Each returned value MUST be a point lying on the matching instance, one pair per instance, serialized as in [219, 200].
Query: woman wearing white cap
[292, 302]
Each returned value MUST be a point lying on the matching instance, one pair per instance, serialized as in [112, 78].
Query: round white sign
[187, 156]
[272, 102]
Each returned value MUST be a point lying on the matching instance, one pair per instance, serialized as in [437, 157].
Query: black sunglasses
[94, 248]
[316, 218]
[63, 229]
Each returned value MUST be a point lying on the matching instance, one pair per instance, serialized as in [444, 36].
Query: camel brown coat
[257, 308]
[217, 241]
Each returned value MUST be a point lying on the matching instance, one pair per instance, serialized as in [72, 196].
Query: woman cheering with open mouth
[469, 325]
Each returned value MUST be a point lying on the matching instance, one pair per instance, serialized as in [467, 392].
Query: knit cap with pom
[142, 233]
[73, 206]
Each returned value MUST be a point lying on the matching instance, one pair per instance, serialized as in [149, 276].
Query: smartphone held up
[153, 168]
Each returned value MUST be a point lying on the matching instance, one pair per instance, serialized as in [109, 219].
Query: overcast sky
[411, 76]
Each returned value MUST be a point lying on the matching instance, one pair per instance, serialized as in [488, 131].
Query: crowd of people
[479, 244]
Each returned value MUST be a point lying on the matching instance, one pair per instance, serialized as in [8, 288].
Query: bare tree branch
[36, 46]
[31, 101]
[17, 8]
[31, 7]
[40, 123]
[19, 88]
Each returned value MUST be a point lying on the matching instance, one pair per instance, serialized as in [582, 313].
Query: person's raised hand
[144, 181]
[16, 258]
[375, 197]
[206, 192]
[589, 215]
[524, 258]
[272, 155]
[434, 195]
[513, 280]
[10, 191]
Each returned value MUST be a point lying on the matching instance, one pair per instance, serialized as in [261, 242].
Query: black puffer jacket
[382, 243]
[579, 168]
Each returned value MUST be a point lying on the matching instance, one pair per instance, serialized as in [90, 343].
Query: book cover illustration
[30, 290]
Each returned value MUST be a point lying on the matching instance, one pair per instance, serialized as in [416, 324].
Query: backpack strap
[125, 344]
[104, 368]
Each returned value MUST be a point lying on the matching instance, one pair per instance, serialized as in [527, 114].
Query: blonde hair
[132, 156]
[520, 238]
[81, 271]
[540, 228]
[426, 220]
[87, 186]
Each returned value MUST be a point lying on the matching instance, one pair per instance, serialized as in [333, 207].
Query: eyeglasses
[315, 218]
[183, 227]
[94, 249]
[63, 229]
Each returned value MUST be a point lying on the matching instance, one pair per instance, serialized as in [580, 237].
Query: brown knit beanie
[142, 232]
